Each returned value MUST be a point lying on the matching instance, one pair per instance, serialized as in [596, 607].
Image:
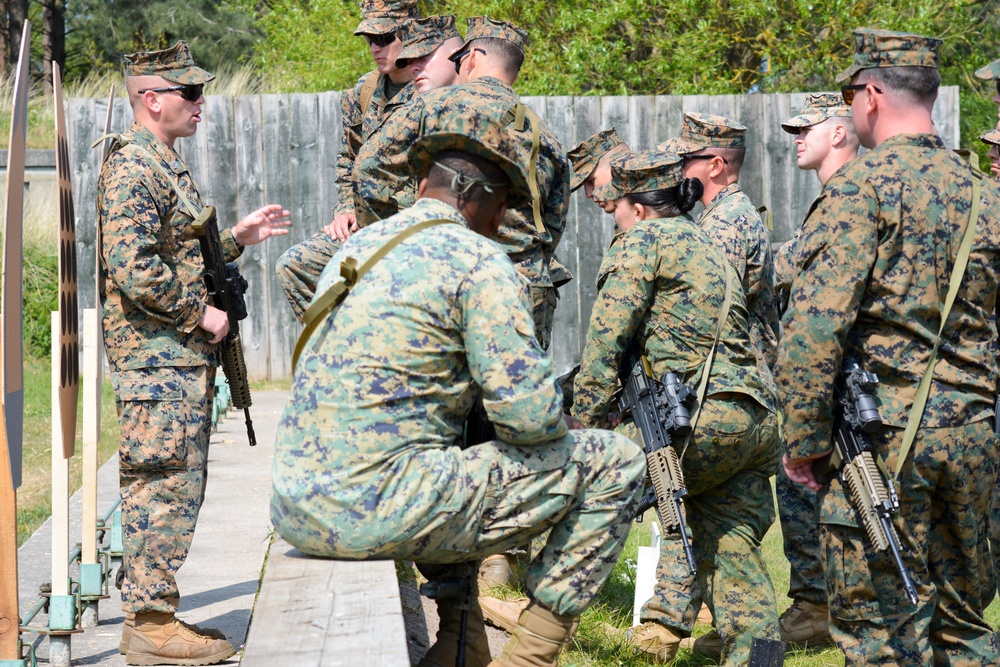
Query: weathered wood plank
[325, 613]
[249, 175]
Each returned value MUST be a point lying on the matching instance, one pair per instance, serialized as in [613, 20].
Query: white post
[91, 436]
[59, 654]
[645, 571]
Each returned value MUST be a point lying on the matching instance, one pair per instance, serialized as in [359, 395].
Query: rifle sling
[957, 274]
[706, 369]
[323, 304]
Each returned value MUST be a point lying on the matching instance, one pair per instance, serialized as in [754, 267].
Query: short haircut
[471, 167]
[920, 84]
[734, 157]
[670, 202]
[505, 53]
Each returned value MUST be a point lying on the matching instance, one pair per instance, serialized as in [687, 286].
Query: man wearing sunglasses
[364, 109]
[879, 251]
[161, 338]
[991, 72]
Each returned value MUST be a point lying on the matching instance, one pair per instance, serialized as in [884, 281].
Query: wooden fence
[283, 149]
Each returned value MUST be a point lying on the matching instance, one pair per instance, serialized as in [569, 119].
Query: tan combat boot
[806, 624]
[538, 638]
[503, 614]
[160, 639]
[495, 571]
[130, 624]
[444, 651]
[650, 637]
[709, 644]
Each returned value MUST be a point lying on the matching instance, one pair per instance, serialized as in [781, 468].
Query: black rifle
[660, 410]
[226, 287]
[855, 418]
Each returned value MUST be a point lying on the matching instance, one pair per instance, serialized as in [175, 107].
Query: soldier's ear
[421, 187]
[497, 219]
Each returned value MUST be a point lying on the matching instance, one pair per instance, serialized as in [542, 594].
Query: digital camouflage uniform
[162, 363]
[878, 251]
[300, 266]
[588, 153]
[386, 185]
[732, 221]
[798, 505]
[367, 462]
[666, 289]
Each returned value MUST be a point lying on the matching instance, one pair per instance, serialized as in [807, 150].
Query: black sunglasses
[190, 92]
[848, 91]
[459, 55]
[704, 156]
[381, 41]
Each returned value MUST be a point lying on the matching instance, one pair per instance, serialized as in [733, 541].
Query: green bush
[40, 296]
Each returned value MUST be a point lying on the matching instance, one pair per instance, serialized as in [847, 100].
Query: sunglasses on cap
[381, 41]
[704, 156]
[848, 91]
[458, 56]
[189, 92]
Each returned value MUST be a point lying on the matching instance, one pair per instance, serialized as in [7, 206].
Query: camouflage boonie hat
[703, 130]
[483, 27]
[885, 48]
[380, 17]
[989, 72]
[992, 137]
[817, 108]
[421, 36]
[485, 140]
[174, 64]
[646, 171]
[588, 153]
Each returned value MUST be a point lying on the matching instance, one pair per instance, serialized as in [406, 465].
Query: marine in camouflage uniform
[992, 139]
[806, 621]
[878, 251]
[368, 463]
[363, 110]
[384, 181]
[991, 72]
[159, 335]
[666, 290]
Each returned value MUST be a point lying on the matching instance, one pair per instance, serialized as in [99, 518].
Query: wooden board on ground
[68, 360]
[11, 362]
[315, 612]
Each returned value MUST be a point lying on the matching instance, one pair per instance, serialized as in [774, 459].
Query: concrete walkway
[218, 583]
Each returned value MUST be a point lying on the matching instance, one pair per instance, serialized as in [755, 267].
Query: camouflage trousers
[798, 508]
[583, 487]
[543, 312]
[944, 491]
[729, 508]
[300, 267]
[165, 417]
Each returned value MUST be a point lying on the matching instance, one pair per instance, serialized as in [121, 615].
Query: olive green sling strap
[957, 273]
[351, 273]
[706, 369]
[516, 115]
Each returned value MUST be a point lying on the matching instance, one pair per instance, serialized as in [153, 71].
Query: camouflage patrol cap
[885, 48]
[992, 137]
[483, 27]
[817, 108]
[703, 130]
[174, 64]
[421, 36]
[379, 17]
[485, 140]
[588, 153]
[645, 171]
[989, 72]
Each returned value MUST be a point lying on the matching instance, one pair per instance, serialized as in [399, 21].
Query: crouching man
[369, 462]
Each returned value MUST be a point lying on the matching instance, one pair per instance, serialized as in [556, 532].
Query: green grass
[593, 648]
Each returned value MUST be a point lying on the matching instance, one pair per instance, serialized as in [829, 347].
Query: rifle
[661, 412]
[855, 418]
[226, 287]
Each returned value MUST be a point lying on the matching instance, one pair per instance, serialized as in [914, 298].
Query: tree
[98, 32]
[12, 17]
[53, 39]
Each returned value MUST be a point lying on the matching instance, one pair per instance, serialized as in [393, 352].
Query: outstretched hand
[265, 222]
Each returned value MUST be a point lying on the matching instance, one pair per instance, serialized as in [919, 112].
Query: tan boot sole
[156, 659]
